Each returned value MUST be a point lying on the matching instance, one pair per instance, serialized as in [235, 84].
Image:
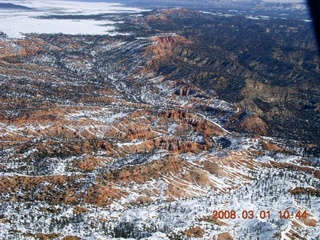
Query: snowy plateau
[17, 22]
[122, 122]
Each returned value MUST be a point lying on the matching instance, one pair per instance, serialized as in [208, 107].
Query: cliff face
[149, 133]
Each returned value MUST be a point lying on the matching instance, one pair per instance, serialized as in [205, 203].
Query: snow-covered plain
[16, 22]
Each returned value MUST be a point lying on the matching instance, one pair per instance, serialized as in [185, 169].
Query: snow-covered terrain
[16, 22]
[108, 137]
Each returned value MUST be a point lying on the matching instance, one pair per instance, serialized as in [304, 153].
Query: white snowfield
[17, 22]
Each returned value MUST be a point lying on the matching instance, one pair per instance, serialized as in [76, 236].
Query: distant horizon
[26, 16]
[115, 1]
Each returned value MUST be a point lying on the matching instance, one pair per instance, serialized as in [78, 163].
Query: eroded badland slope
[149, 133]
